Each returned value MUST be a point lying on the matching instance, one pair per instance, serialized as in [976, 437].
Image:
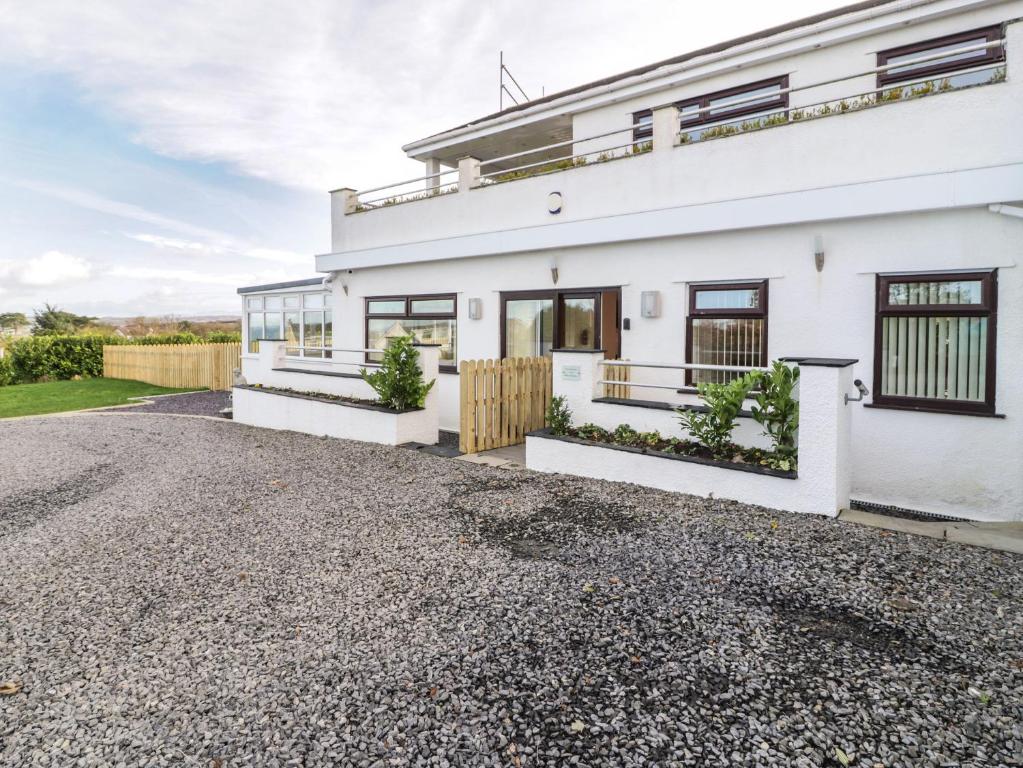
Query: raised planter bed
[332, 416]
[695, 475]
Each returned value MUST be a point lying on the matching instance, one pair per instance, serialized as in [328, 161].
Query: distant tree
[12, 319]
[52, 321]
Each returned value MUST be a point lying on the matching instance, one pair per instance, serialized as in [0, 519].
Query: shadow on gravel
[535, 519]
[23, 510]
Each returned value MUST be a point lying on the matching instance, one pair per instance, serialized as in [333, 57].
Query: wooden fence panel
[501, 400]
[617, 373]
[174, 365]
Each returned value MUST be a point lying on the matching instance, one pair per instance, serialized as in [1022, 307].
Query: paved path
[190, 592]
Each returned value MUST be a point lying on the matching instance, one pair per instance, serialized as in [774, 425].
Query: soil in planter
[319, 396]
[653, 441]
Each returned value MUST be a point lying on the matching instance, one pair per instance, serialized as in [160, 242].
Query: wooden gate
[502, 400]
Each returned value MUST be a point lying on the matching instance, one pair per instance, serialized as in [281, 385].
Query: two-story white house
[847, 185]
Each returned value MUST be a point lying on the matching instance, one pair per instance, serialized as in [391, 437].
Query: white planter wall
[823, 482]
[332, 419]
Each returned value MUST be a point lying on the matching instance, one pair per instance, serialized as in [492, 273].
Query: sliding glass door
[528, 327]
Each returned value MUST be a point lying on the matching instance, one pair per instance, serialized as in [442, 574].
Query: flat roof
[278, 286]
[716, 48]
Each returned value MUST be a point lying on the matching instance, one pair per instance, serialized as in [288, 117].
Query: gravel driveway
[183, 592]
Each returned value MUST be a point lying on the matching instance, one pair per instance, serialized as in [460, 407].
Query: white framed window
[304, 321]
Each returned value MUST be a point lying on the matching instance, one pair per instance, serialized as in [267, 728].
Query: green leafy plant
[399, 381]
[559, 416]
[593, 432]
[624, 435]
[713, 428]
[777, 411]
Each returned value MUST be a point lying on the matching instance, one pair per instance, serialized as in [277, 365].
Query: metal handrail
[796, 88]
[428, 192]
[558, 145]
[680, 366]
[558, 159]
[409, 181]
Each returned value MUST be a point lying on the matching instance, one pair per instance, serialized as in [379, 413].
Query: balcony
[897, 131]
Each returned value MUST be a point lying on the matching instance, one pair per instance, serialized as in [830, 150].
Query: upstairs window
[944, 68]
[935, 341]
[761, 98]
[430, 319]
[643, 124]
[727, 325]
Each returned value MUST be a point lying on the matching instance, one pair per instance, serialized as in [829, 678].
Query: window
[934, 345]
[533, 323]
[301, 320]
[727, 325]
[943, 69]
[430, 319]
[643, 124]
[760, 98]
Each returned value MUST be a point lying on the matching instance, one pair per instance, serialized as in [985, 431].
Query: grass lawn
[56, 396]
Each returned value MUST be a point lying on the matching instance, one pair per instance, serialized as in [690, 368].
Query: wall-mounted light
[818, 252]
[650, 304]
[554, 271]
[475, 309]
[554, 203]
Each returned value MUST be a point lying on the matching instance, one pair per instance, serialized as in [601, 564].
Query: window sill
[936, 411]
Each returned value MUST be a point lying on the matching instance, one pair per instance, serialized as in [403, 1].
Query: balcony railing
[668, 131]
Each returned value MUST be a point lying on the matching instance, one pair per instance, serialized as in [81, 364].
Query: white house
[848, 185]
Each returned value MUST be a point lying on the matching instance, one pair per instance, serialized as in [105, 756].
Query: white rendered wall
[976, 128]
[960, 465]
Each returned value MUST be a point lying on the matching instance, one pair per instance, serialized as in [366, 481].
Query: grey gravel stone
[191, 592]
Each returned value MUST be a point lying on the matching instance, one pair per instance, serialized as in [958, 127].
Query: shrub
[777, 411]
[593, 432]
[58, 357]
[181, 337]
[6, 371]
[559, 416]
[223, 337]
[399, 380]
[713, 429]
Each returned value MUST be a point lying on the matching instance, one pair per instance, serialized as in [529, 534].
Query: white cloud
[194, 276]
[50, 268]
[197, 248]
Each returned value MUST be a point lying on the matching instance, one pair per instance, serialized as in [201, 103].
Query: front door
[535, 322]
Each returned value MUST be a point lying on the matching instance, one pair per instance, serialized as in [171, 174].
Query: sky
[156, 156]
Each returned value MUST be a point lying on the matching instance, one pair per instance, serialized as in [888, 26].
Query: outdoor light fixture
[554, 271]
[475, 309]
[650, 304]
[554, 203]
[818, 252]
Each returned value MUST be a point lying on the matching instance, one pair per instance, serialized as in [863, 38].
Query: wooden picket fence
[502, 400]
[174, 365]
[617, 373]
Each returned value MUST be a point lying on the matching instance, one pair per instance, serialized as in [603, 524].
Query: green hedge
[63, 357]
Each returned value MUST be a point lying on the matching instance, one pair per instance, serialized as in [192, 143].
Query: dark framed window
[535, 322]
[946, 65]
[726, 325]
[431, 319]
[643, 124]
[934, 343]
[720, 106]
